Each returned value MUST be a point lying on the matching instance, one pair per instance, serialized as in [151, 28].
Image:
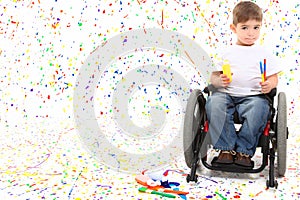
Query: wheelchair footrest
[232, 167]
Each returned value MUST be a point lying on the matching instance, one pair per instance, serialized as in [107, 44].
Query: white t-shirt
[244, 63]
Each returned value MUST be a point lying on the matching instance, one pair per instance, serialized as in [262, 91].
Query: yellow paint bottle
[226, 70]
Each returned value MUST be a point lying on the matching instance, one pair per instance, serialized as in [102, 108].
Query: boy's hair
[246, 10]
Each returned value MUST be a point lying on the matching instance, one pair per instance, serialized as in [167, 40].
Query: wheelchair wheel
[193, 120]
[281, 133]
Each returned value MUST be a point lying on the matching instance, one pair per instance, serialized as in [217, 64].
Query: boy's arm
[219, 80]
[269, 84]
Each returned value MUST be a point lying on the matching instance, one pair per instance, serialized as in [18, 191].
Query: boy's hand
[219, 80]
[266, 87]
[269, 84]
[225, 81]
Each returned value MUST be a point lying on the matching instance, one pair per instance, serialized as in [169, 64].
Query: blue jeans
[253, 112]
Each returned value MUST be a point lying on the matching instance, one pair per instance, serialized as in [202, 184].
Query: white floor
[50, 163]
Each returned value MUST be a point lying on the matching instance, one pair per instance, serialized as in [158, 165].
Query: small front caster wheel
[275, 184]
[188, 178]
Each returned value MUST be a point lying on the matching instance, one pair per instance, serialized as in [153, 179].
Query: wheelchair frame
[196, 141]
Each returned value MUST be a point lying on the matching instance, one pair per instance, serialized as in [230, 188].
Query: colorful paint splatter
[43, 48]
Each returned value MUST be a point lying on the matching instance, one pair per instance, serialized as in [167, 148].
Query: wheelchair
[197, 142]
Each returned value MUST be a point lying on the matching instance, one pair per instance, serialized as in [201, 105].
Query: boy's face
[247, 32]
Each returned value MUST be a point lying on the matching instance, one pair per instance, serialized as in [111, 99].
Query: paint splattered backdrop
[43, 45]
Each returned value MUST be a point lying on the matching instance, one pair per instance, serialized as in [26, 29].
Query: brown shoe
[243, 159]
[225, 157]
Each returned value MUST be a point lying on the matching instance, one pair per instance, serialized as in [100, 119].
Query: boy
[244, 92]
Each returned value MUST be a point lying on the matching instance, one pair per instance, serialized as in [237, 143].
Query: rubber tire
[281, 133]
[190, 126]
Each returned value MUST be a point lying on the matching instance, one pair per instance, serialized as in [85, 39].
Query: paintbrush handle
[143, 189]
[173, 191]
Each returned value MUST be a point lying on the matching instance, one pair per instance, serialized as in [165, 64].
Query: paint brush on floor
[146, 190]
